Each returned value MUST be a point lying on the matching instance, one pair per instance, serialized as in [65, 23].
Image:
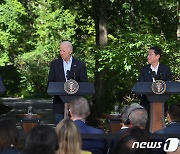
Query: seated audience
[42, 136]
[69, 138]
[8, 137]
[133, 115]
[79, 111]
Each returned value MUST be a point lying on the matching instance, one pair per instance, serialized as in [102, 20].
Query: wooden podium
[28, 121]
[57, 88]
[156, 101]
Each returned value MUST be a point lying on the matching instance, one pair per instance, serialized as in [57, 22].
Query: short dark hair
[42, 135]
[174, 112]
[157, 50]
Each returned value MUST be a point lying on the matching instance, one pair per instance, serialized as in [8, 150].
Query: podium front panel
[57, 88]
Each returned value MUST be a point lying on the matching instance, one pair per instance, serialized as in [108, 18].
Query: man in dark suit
[173, 117]
[173, 127]
[79, 111]
[154, 71]
[63, 69]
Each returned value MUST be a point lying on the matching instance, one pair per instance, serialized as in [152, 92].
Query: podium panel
[57, 88]
[156, 101]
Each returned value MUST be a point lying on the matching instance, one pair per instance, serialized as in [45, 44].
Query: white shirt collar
[155, 68]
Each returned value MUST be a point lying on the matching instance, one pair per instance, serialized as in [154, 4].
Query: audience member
[8, 137]
[133, 115]
[79, 111]
[137, 116]
[173, 117]
[125, 143]
[69, 138]
[173, 127]
[41, 136]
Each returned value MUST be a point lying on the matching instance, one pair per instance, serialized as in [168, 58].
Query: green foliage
[11, 12]
[50, 28]
[30, 32]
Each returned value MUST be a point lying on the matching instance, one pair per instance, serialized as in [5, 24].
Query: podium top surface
[57, 88]
[144, 88]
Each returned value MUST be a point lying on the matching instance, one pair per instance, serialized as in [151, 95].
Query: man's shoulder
[163, 66]
[95, 130]
[77, 61]
[170, 129]
[146, 66]
[56, 60]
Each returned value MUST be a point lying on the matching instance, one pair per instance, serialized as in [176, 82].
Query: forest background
[111, 36]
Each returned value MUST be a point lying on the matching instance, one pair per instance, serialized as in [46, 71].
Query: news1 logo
[170, 145]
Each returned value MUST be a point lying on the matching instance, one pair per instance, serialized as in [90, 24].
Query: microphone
[67, 74]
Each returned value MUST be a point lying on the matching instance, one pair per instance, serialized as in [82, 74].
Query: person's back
[79, 111]
[96, 146]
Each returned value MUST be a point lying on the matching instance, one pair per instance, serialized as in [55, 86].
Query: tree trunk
[100, 16]
[132, 14]
[178, 27]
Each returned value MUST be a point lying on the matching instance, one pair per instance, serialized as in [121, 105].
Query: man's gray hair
[79, 107]
[68, 43]
[139, 118]
[137, 115]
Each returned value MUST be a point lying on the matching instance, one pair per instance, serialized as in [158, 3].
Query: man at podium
[154, 71]
[62, 69]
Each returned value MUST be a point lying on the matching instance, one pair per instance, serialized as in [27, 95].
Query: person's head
[79, 109]
[154, 55]
[137, 116]
[173, 113]
[69, 137]
[8, 134]
[124, 115]
[42, 135]
[66, 49]
[131, 135]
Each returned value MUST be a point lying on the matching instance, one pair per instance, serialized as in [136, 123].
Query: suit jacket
[172, 128]
[77, 72]
[96, 146]
[146, 75]
[163, 73]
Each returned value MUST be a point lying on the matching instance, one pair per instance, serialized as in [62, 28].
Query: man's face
[65, 51]
[152, 57]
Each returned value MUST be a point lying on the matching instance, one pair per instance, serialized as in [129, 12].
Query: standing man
[154, 71]
[63, 69]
